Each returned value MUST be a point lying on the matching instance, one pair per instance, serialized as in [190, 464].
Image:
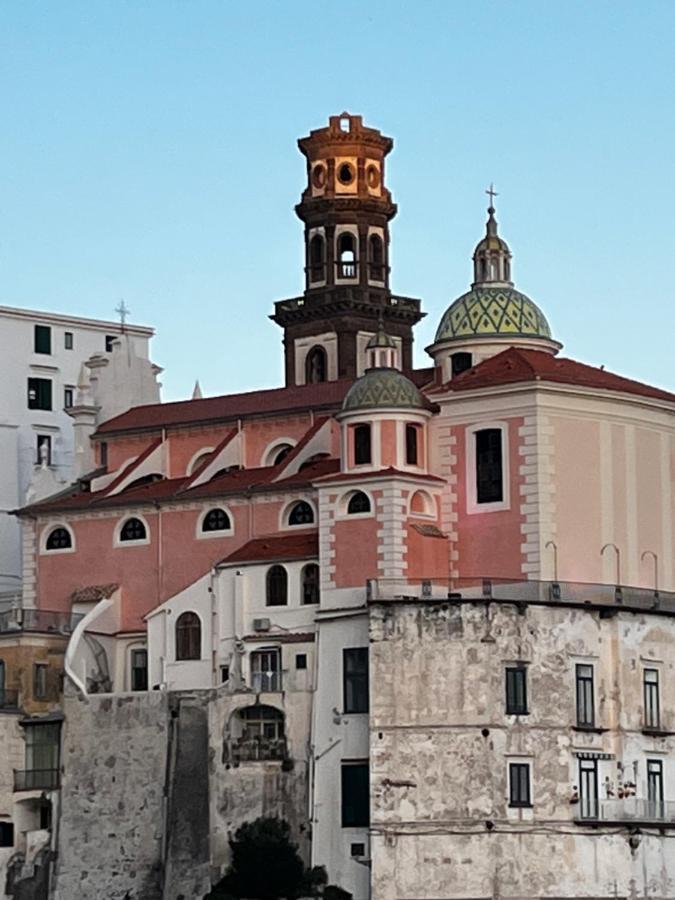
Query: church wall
[441, 745]
[425, 557]
[123, 449]
[613, 484]
[260, 433]
[185, 444]
[489, 543]
[356, 551]
[389, 444]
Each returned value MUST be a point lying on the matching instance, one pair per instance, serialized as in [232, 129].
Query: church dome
[382, 388]
[493, 311]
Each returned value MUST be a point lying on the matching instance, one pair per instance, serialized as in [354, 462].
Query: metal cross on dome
[122, 311]
[492, 193]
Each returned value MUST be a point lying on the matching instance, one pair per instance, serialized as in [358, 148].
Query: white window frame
[274, 447]
[194, 459]
[284, 524]
[343, 502]
[143, 542]
[47, 530]
[206, 535]
[472, 504]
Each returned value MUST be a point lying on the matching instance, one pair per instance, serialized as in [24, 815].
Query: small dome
[382, 388]
[488, 312]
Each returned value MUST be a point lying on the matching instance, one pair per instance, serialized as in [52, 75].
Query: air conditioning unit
[261, 624]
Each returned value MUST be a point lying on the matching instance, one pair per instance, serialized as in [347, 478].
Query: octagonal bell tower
[346, 209]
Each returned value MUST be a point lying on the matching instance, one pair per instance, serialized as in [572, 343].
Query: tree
[266, 864]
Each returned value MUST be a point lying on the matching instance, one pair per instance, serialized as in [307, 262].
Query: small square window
[39, 393]
[43, 339]
[68, 397]
[300, 660]
[68, 340]
[358, 849]
[109, 340]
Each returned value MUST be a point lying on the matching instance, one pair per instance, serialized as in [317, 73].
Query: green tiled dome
[382, 388]
[486, 312]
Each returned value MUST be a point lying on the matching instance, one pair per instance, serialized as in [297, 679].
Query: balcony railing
[36, 779]
[9, 700]
[257, 749]
[44, 621]
[559, 593]
[266, 682]
[592, 811]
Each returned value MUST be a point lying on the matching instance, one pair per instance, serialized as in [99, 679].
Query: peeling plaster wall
[441, 744]
[240, 792]
[114, 765]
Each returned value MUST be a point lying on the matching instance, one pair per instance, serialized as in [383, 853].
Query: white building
[41, 356]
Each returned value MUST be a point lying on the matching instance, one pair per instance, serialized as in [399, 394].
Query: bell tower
[346, 209]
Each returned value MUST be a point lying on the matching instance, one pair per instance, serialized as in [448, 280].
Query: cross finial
[122, 311]
[492, 193]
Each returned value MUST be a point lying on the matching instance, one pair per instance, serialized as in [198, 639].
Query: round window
[346, 173]
[319, 176]
[373, 177]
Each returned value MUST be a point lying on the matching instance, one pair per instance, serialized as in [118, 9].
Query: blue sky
[148, 153]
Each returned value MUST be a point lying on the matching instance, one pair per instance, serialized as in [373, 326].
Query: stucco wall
[441, 744]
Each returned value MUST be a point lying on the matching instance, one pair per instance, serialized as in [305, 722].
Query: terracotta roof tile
[277, 547]
[328, 394]
[513, 366]
[93, 593]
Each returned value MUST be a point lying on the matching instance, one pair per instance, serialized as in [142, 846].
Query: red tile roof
[237, 481]
[513, 366]
[378, 473]
[277, 547]
[327, 395]
[93, 593]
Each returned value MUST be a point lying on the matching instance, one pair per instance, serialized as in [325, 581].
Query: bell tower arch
[346, 209]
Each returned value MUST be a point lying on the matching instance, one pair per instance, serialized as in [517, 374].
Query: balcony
[608, 598]
[9, 700]
[36, 779]
[258, 749]
[266, 682]
[42, 621]
[626, 812]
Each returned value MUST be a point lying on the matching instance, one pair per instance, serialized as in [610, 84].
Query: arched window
[59, 539]
[362, 450]
[316, 366]
[216, 520]
[133, 530]
[346, 261]
[317, 258]
[301, 514]
[376, 257]
[188, 636]
[277, 586]
[310, 584]
[411, 445]
[358, 503]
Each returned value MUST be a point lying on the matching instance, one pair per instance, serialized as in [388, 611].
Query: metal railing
[44, 621]
[266, 682]
[9, 699]
[36, 779]
[628, 810]
[258, 749]
[520, 591]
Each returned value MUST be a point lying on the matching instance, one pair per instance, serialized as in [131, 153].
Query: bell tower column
[346, 209]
